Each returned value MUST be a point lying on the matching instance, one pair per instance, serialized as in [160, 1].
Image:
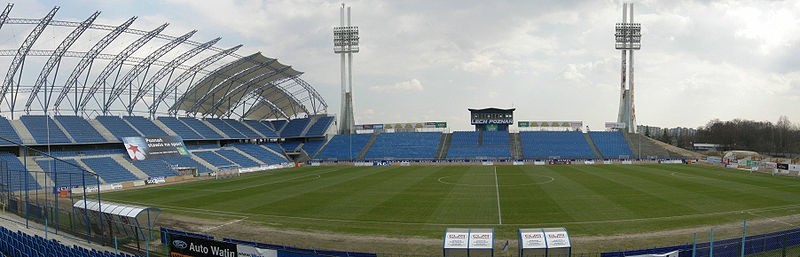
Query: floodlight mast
[345, 43]
[628, 38]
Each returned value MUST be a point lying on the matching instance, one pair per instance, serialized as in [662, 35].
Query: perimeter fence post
[744, 235]
[694, 245]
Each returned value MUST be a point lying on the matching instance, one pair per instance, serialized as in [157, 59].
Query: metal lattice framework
[198, 81]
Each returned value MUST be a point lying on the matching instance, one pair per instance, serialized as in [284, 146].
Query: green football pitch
[424, 200]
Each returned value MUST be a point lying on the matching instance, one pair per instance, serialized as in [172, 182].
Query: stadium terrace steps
[202, 128]
[34, 168]
[118, 127]
[164, 127]
[145, 126]
[44, 129]
[444, 146]
[319, 127]
[242, 129]
[311, 147]
[255, 128]
[611, 144]
[22, 132]
[592, 144]
[263, 128]
[104, 132]
[516, 146]
[16, 180]
[478, 145]
[179, 128]
[237, 158]
[645, 147]
[295, 128]
[220, 127]
[278, 125]
[204, 163]
[109, 169]
[405, 145]
[214, 159]
[245, 154]
[129, 166]
[552, 144]
[344, 146]
[66, 132]
[369, 144]
[274, 151]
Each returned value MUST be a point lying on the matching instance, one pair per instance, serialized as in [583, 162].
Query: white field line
[220, 226]
[771, 219]
[497, 190]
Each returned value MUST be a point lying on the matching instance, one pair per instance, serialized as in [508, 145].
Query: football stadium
[122, 140]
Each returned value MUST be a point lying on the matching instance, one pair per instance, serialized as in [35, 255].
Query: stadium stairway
[104, 132]
[86, 167]
[33, 166]
[246, 155]
[367, 146]
[516, 146]
[22, 131]
[592, 145]
[66, 132]
[129, 166]
[261, 135]
[308, 126]
[444, 146]
[215, 129]
[202, 162]
[164, 127]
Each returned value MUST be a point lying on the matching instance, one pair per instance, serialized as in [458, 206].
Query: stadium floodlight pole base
[345, 43]
[628, 38]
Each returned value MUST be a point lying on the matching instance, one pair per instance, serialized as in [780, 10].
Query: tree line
[761, 136]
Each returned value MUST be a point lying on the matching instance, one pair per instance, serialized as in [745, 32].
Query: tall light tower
[628, 38]
[345, 43]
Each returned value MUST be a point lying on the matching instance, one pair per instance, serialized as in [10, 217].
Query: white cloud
[412, 85]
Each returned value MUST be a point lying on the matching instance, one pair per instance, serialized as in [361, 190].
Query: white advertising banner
[532, 239]
[481, 240]
[669, 254]
[487, 163]
[518, 163]
[539, 163]
[456, 239]
[249, 251]
[557, 238]
[794, 167]
[607, 162]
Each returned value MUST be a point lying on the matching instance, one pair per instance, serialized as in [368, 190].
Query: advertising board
[186, 246]
[142, 148]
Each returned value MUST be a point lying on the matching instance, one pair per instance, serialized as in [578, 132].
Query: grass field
[423, 201]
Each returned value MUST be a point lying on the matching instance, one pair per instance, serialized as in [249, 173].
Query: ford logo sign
[179, 244]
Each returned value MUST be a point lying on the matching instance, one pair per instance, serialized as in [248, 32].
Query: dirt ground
[416, 246]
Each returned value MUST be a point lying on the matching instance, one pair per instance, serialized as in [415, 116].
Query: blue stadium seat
[201, 128]
[8, 133]
[44, 130]
[117, 126]
[405, 145]
[278, 125]
[145, 126]
[24, 245]
[65, 172]
[290, 146]
[179, 128]
[259, 153]
[80, 129]
[214, 159]
[186, 161]
[262, 128]
[611, 144]
[546, 144]
[14, 179]
[344, 146]
[312, 146]
[237, 158]
[225, 128]
[153, 167]
[275, 147]
[108, 169]
[295, 128]
[467, 145]
[319, 127]
[244, 130]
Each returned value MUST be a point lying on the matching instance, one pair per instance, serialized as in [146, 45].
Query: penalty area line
[224, 224]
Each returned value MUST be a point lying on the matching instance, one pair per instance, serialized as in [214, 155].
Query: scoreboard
[491, 119]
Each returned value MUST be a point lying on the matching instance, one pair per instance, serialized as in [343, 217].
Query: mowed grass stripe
[471, 199]
[417, 198]
[522, 197]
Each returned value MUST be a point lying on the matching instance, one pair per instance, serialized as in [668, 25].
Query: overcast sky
[552, 60]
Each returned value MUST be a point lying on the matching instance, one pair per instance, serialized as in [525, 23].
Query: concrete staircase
[254, 130]
[22, 132]
[203, 162]
[61, 127]
[367, 146]
[104, 132]
[86, 167]
[246, 155]
[444, 145]
[516, 146]
[129, 166]
[36, 171]
[215, 129]
[308, 126]
[592, 145]
[164, 127]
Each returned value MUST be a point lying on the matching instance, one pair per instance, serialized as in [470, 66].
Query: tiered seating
[259, 153]
[344, 146]
[80, 129]
[44, 130]
[87, 152]
[7, 131]
[237, 158]
[275, 147]
[179, 128]
[290, 146]
[278, 125]
[146, 126]
[14, 179]
[225, 128]
[465, 145]
[544, 144]
[262, 128]
[154, 167]
[405, 145]
[213, 158]
[319, 127]
[312, 146]
[118, 127]
[109, 169]
[21, 244]
[202, 146]
[186, 161]
[66, 172]
[247, 132]
[201, 128]
[611, 144]
[295, 128]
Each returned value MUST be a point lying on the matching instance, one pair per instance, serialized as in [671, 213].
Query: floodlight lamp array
[628, 36]
[345, 39]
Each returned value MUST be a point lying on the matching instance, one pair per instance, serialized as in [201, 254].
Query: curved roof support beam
[256, 91]
[274, 108]
[172, 87]
[263, 93]
[168, 69]
[318, 103]
[242, 73]
[183, 98]
[133, 73]
[293, 95]
[19, 60]
[243, 89]
[115, 64]
[87, 60]
[4, 15]
[55, 59]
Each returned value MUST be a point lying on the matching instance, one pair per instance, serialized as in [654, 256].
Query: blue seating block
[80, 129]
[405, 145]
[201, 128]
[44, 130]
[214, 159]
[295, 128]
[145, 126]
[14, 179]
[320, 126]
[611, 144]
[179, 128]
[344, 146]
[8, 133]
[117, 126]
[225, 128]
[262, 128]
[109, 169]
[545, 144]
[259, 153]
[66, 172]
